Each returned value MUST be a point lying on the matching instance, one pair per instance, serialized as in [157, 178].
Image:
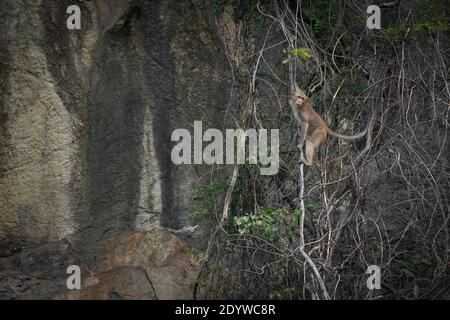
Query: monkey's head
[299, 97]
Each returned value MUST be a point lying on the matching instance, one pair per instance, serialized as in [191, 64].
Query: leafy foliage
[303, 53]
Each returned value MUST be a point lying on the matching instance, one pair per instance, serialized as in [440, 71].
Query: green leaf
[303, 53]
[296, 214]
[314, 205]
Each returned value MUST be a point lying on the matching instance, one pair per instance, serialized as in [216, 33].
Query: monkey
[310, 119]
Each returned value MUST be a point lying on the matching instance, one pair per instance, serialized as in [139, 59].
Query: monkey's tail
[352, 137]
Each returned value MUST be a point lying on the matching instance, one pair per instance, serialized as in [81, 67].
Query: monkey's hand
[301, 143]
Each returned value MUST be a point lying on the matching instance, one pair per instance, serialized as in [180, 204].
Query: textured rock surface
[123, 283]
[86, 118]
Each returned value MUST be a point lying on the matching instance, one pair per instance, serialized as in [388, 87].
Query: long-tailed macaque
[310, 120]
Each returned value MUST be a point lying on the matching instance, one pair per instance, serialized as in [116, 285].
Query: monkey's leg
[302, 138]
[302, 135]
[312, 143]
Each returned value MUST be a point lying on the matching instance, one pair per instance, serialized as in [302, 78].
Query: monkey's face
[299, 98]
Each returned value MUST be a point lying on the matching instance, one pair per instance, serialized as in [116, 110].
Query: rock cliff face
[86, 118]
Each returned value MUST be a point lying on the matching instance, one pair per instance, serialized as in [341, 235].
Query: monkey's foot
[305, 162]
